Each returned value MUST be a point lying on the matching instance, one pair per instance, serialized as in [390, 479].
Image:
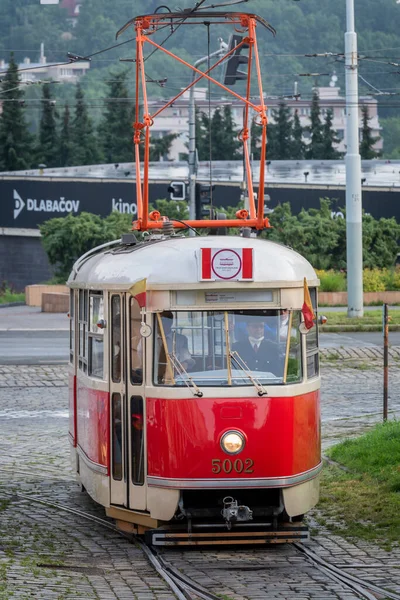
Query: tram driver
[177, 344]
[258, 352]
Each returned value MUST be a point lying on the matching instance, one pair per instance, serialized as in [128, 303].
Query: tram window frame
[137, 441]
[116, 338]
[116, 436]
[291, 371]
[82, 330]
[136, 343]
[312, 341]
[71, 326]
[95, 337]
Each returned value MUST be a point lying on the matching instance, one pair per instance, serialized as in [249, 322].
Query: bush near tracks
[363, 501]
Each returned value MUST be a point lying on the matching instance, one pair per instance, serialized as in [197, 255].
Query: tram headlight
[232, 442]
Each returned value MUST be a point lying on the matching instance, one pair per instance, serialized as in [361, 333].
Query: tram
[194, 368]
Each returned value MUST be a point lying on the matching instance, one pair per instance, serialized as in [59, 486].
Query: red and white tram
[172, 420]
[194, 373]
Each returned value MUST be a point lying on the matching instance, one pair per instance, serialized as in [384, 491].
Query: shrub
[374, 280]
[392, 279]
[332, 281]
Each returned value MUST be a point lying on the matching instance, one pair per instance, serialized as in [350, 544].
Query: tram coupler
[233, 513]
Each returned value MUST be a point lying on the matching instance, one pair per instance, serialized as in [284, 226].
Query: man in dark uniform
[256, 351]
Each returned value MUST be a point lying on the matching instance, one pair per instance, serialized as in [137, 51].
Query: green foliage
[322, 239]
[15, 139]
[280, 134]
[329, 138]
[115, 131]
[160, 147]
[316, 148]
[85, 150]
[376, 453]
[66, 239]
[298, 147]
[7, 295]
[367, 151]
[173, 209]
[65, 143]
[332, 281]
[373, 280]
[48, 138]
[224, 141]
[391, 136]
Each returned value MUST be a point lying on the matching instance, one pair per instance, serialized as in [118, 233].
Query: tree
[173, 209]
[48, 138]
[66, 239]
[65, 144]
[280, 134]
[85, 149]
[202, 125]
[160, 147]
[367, 151]
[115, 131]
[224, 141]
[298, 147]
[329, 139]
[315, 149]
[16, 143]
[255, 136]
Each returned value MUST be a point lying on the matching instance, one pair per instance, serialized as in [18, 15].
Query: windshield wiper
[243, 366]
[180, 369]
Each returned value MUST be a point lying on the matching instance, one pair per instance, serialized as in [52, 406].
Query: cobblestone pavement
[48, 554]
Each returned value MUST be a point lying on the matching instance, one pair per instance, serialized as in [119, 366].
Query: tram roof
[175, 262]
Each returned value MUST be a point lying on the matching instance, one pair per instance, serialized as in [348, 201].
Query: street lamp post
[353, 174]
[192, 132]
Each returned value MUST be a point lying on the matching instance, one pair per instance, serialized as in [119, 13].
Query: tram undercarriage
[217, 517]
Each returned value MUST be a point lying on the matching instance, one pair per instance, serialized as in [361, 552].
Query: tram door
[127, 403]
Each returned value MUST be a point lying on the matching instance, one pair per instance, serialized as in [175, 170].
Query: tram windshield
[227, 348]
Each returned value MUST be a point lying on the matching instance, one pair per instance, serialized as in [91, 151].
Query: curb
[12, 304]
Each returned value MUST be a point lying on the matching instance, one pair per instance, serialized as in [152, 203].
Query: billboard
[28, 203]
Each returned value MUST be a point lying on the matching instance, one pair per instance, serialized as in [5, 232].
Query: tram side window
[137, 343]
[312, 357]
[71, 327]
[82, 330]
[116, 338]
[96, 335]
[294, 370]
[137, 440]
[116, 437]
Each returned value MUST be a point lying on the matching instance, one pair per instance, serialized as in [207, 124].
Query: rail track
[186, 588]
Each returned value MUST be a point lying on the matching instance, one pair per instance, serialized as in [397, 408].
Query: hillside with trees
[305, 27]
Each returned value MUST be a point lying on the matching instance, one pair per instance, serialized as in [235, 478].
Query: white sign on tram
[226, 264]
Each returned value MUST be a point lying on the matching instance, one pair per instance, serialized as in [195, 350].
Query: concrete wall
[23, 262]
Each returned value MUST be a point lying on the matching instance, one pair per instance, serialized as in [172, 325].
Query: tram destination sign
[226, 264]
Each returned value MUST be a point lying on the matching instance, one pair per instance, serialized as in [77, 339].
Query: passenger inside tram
[177, 347]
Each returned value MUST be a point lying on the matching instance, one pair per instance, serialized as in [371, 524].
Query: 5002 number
[227, 465]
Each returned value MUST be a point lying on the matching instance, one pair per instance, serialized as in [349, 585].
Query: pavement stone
[45, 553]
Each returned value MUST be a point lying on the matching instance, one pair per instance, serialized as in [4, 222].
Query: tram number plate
[232, 466]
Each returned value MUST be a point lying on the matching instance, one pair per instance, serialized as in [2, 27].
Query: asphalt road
[32, 347]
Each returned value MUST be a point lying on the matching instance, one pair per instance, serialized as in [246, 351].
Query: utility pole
[355, 299]
[192, 132]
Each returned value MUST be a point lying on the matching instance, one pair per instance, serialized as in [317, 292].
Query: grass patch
[365, 502]
[7, 296]
[370, 318]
